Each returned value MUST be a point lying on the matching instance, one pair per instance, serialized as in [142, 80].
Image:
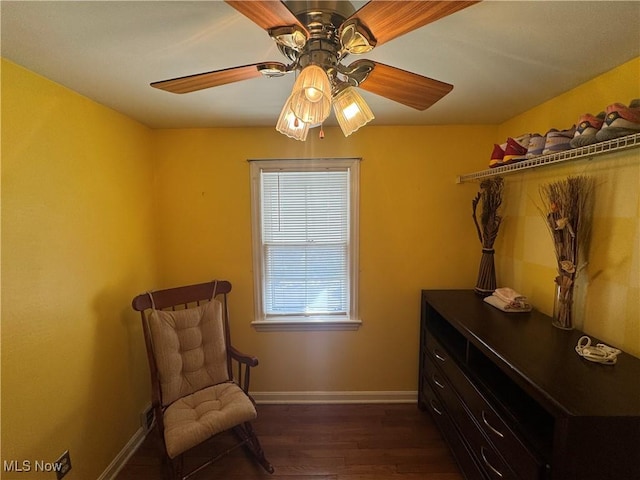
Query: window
[305, 243]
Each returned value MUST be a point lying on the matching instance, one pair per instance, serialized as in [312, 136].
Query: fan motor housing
[319, 51]
[341, 8]
[322, 20]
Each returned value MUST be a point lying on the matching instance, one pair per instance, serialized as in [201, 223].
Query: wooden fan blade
[266, 14]
[404, 87]
[389, 19]
[200, 81]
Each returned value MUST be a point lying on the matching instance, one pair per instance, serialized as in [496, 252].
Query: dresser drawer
[460, 451]
[437, 351]
[441, 357]
[520, 457]
[491, 462]
[524, 463]
[448, 397]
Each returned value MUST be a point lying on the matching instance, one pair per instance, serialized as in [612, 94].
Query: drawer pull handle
[439, 356]
[486, 462]
[435, 380]
[435, 409]
[486, 422]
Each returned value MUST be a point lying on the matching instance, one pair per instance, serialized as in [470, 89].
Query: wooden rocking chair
[195, 394]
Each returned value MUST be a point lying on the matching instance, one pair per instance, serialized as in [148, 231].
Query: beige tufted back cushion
[189, 348]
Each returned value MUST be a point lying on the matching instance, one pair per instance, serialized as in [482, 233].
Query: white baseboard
[125, 454]
[266, 398]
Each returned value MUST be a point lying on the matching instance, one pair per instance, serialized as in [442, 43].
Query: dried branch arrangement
[568, 209]
[490, 196]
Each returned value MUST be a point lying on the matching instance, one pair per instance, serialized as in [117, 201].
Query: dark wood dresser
[515, 401]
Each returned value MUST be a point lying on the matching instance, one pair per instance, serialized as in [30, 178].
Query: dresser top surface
[542, 358]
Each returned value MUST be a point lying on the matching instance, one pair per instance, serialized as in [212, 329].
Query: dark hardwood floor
[322, 442]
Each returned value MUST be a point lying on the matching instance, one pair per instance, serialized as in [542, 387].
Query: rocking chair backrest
[186, 333]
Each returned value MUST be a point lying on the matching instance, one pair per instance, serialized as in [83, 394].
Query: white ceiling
[503, 57]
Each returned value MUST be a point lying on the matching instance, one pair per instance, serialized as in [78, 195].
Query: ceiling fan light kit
[311, 95]
[351, 111]
[316, 36]
[289, 125]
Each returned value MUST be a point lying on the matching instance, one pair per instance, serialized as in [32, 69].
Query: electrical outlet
[63, 465]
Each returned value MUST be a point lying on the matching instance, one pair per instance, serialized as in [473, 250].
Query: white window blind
[305, 243]
[305, 236]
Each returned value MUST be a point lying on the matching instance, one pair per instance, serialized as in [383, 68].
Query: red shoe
[514, 152]
[496, 156]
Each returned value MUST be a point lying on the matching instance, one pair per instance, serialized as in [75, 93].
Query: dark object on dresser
[515, 401]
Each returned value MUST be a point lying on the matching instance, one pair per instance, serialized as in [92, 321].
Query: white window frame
[351, 321]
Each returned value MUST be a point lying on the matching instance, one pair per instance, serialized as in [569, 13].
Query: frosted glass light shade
[351, 110]
[289, 125]
[311, 95]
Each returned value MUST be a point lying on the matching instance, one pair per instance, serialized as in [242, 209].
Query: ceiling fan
[316, 37]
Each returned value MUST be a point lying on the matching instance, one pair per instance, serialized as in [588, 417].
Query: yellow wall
[608, 306]
[88, 197]
[415, 232]
[76, 247]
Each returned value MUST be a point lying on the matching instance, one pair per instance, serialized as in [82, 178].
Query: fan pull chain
[321, 132]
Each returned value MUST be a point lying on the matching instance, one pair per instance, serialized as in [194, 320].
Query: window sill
[305, 325]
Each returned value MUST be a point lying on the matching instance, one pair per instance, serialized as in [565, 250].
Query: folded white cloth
[507, 294]
[497, 302]
[512, 298]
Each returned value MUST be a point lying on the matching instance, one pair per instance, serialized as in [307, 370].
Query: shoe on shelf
[588, 127]
[620, 121]
[516, 149]
[558, 140]
[536, 145]
[497, 156]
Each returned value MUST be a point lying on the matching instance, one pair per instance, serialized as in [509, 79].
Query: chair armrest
[248, 360]
[243, 373]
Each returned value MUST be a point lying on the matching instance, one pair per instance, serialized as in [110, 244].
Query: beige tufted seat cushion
[190, 349]
[194, 418]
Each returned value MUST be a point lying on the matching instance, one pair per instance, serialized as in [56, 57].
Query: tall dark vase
[487, 275]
